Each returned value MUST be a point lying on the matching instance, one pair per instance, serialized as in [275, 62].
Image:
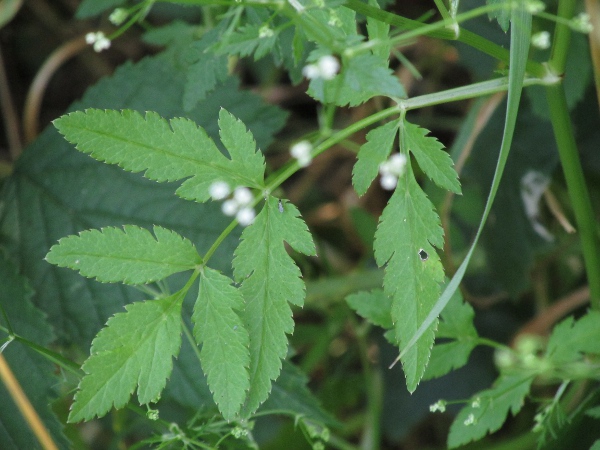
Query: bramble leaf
[224, 355]
[436, 163]
[130, 255]
[488, 410]
[457, 324]
[569, 339]
[407, 229]
[135, 349]
[375, 151]
[270, 280]
[166, 151]
[373, 305]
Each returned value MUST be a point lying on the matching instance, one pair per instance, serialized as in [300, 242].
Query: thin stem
[562, 37]
[580, 198]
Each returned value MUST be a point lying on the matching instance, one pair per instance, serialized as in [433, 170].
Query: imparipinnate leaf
[220, 331]
[408, 229]
[488, 410]
[130, 255]
[165, 151]
[374, 306]
[134, 350]
[375, 151]
[270, 280]
[569, 339]
[457, 324]
[433, 160]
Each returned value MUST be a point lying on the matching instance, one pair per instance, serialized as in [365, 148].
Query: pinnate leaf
[569, 339]
[270, 279]
[165, 150]
[487, 412]
[408, 229]
[135, 349]
[375, 151]
[130, 255]
[219, 329]
[433, 160]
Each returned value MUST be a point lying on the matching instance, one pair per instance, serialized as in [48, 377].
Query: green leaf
[374, 306]
[501, 15]
[379, 32]
[131, 255]
[134, 350]
[457, 324]
[165, 151]
[520, 36]
[36, 375]
[270, 280]
[250, 39]
[220, 331]
[409, 226]
[206, 69]
[362, 78]
[429, 153]
[488, 410]
[90, 8]
[569, 339]
[375, 151]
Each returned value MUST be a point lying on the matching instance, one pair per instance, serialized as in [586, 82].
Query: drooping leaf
[270, 280]
[375, 151]
[429, 153]
[165, 151]
[374, 306]
[130, 255]
[408, 229]
[206, 69]
[488, 410]
[457, 324]
[220, 331]
[133, 351]
[35, 374]
[570, 339]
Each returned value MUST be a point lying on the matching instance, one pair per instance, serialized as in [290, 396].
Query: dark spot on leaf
[423, 255]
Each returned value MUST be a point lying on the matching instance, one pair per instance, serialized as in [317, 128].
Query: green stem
[578, 193]
[569, 155]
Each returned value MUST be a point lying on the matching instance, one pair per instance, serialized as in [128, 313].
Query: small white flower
[242, 196]
[245, 216]
[219, 190]
[118, 16]
[397, 163]
[98, 40]
[440, 406]
[476, 403]
[311, 71]
[470, 420]
[265, 32]
[301, 151]
[388, 181]
[541, 40]
[535, 6]
[328, 66]
[230, 207]
[582, 23]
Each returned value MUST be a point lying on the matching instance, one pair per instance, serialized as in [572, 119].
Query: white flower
[470, 420]
[329, 66]
[440, 406]
[242, 196]
[476, 403]
[245, 216]
[219, 190]
[541, 40]
[535, 6]
[388, 181]
[265, 32]
[301, 151]
[230, 207]
[118, 16]
[582, 23]
[98, 40]
[326, 68]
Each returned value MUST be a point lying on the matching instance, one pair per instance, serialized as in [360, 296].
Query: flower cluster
[326, 68]
[238, 203]
[98, 40]
[541, 40]
[582, 23]
[391, 170]
[118, 16]
[301, 151]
